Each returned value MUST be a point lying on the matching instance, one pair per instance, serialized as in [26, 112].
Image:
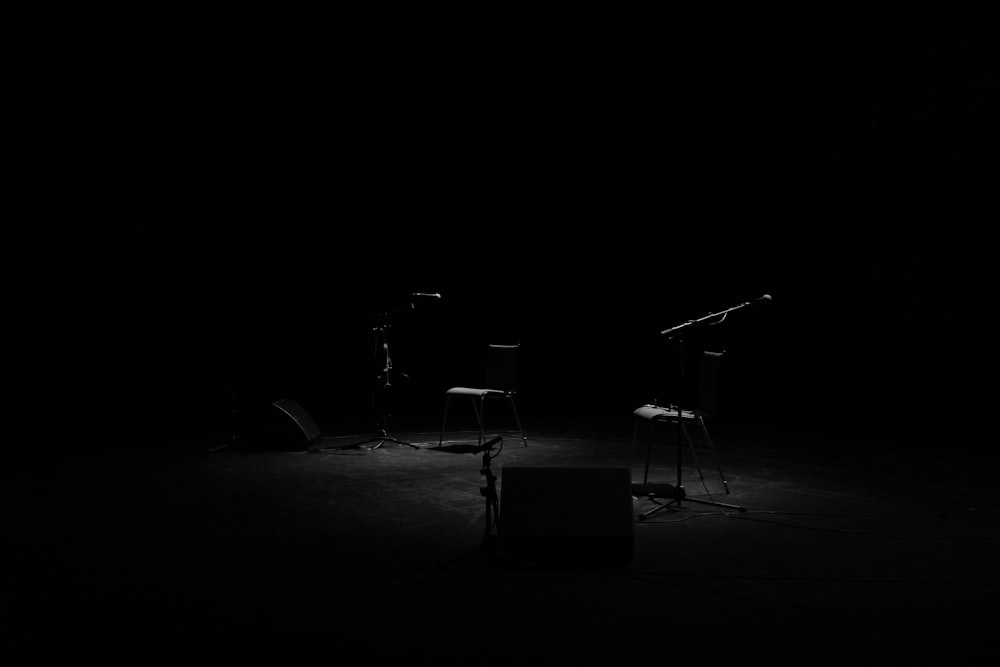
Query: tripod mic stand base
[675, 495]
[382, 438]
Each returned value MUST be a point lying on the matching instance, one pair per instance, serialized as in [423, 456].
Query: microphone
[432, 296]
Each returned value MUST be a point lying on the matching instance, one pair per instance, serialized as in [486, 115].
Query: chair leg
[635, 434]
[694, 454]
[479, 405]
[649, 451]
[513, 405]
[715, 457]
[444, 421]
[631, 452]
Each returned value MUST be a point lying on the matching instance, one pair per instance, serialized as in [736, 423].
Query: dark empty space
[262, 243]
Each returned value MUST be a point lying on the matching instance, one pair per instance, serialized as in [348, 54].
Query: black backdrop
[229, 198]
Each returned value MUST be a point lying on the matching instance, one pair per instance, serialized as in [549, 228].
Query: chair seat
[656, 413]
[473, 391]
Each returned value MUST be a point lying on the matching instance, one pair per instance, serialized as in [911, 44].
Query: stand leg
[677, 495]
[704, 432]
[382, 438]
[738, 508]
[659, 506]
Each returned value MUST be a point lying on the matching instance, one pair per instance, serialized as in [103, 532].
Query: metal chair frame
[500, 382]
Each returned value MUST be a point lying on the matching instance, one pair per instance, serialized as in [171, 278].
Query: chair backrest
[501, 368]
[708, 382]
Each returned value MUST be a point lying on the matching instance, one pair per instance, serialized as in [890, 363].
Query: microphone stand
[489, 492]
[677, 494]
[382, 386]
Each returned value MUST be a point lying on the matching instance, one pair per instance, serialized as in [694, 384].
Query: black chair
[682, 419]
[499, 381]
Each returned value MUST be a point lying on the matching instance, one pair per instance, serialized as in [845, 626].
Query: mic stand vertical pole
[675, 495]
[489, 492]
[678, 402]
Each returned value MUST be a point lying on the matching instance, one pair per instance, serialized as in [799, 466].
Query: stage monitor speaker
[308, 426]
[567, 516]
[283, 425]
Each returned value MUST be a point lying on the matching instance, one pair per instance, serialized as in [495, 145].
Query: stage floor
[845, 548]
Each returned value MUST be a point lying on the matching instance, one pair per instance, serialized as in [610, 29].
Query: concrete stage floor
[847, 549]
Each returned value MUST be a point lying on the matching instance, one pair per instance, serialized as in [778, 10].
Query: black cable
[848, 515]
[821, 580]
[877, 534]
[743, 515]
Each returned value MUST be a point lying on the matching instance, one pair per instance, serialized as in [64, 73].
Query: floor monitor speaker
[310, 429]
[567, 516]
[283, 425]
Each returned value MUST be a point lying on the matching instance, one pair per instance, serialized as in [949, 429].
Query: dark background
[226, 199]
